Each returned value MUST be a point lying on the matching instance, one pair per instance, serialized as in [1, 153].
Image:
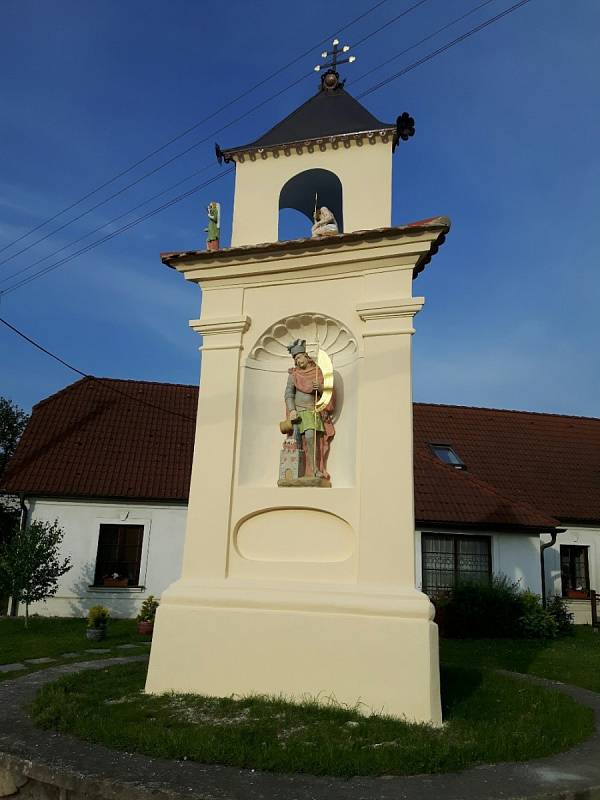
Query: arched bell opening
[301, 192]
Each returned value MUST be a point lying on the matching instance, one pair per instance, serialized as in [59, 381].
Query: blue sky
[506, 146]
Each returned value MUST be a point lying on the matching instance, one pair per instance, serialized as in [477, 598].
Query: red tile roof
[109, 438]
[549, 461]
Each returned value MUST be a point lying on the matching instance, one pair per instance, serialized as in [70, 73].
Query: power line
[422, 41]
[406, 69]
[443, 48]
[92, 377]
[389, 22]
[21, 271]
[171, 160]
[191, 128]
[157, 169]
[112, 235]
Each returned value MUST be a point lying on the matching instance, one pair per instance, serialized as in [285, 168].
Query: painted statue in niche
[309, 403]
[213, 232]
[324, 223]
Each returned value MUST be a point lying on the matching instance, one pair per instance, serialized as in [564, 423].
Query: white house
[111, 461]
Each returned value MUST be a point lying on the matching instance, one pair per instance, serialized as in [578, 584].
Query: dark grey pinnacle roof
[325, 114]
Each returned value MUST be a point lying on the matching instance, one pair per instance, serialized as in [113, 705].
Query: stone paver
[70, 655]
[12, 667]
[98, 650]
[45, 660]
[93, 771]
[127, 646]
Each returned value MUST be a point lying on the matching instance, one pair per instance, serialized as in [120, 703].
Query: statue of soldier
[302, 392]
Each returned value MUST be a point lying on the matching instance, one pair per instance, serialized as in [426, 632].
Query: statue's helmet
[296, 347]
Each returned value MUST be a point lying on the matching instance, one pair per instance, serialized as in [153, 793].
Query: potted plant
[577, 594]
[115, 580]
[96, 625]
[145, 619]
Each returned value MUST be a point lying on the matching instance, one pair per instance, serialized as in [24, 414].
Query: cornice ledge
[386, 309]
[219, 325]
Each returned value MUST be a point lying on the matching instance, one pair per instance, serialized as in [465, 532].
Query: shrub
[558, 610]
[535, 622]
[499, 609]
[97, 617]
[148, 609]
[483, 610]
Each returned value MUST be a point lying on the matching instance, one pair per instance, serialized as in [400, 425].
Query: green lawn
[573, 659]
[53, 636]
[488, 718]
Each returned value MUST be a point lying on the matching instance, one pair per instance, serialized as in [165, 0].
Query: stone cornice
[406, 307]
[385, 318]
[301, 146]
[223, 333]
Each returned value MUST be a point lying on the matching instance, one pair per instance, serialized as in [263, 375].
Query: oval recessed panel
[294, 534]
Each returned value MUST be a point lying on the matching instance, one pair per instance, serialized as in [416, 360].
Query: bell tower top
[331, 149]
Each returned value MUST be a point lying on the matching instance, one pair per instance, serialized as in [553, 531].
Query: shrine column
[208, 520]
[387, 501]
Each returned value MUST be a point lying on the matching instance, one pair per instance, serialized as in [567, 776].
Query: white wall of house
[513, 554]
[161, 558]
[588, 536]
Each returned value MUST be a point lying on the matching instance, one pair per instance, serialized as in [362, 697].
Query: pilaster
[207, 532]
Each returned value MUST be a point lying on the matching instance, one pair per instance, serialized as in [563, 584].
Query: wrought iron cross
[337, 51]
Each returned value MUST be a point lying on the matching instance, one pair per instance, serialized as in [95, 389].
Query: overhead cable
[102, 381]
[192, 128]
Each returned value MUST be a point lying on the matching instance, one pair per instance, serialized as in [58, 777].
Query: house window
[119, 555]
[446, 454]
[574, 570]
[447, 559]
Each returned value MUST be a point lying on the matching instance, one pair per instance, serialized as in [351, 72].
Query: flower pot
[120, 583]
[95, 634]
[577, 594]
[145, 628]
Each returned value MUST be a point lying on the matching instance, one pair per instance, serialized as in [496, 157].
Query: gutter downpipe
[14, 605]
[543, 547]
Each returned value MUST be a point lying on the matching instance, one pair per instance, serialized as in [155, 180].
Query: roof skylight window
[446, 454]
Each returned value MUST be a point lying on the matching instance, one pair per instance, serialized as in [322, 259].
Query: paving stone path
[81, 769]
[27, 663]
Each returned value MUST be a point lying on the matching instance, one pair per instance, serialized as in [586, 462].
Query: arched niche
[299, 193]
[263, 406]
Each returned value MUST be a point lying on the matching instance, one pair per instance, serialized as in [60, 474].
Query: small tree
[12, 424]
[30, 563]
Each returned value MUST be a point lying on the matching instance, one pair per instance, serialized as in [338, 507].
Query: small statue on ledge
[213, 231]
[308, 424]
[325, 224]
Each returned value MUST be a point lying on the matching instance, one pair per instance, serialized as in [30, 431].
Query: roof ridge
[64, 390]
[150, 383]
[508, 410]
[97, 379]
[488, 487]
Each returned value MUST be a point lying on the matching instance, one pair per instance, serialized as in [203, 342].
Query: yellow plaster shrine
[305, 592]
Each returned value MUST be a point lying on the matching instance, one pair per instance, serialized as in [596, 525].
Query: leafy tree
[12, 424]
[30, 563]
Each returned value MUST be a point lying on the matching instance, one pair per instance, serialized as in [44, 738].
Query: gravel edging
[82, 769]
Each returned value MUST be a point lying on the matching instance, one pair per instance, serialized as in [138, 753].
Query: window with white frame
[119, 555]
[574, 570]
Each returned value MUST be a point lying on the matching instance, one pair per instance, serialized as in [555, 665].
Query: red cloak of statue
[304, 380]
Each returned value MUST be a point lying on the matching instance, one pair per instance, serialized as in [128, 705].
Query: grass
[573, 659]
[53, 636]
[489, 718]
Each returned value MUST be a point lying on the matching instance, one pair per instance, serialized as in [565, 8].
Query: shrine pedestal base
[378, 653]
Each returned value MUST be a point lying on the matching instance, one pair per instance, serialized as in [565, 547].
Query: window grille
[447, 559]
